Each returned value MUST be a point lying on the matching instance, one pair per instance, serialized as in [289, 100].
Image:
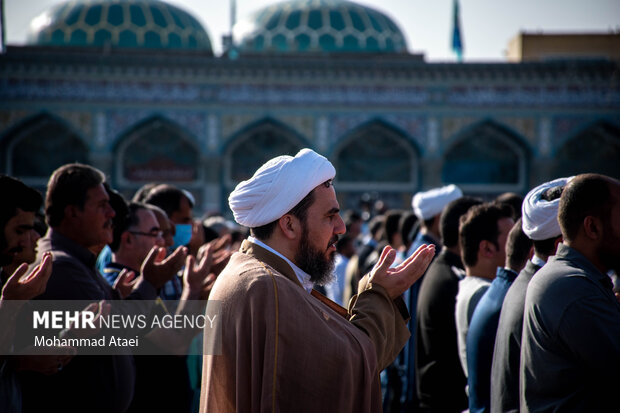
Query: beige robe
[283, 350]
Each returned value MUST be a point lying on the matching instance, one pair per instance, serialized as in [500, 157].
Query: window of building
[596, 149]
[486, 158]
[379, 159]
[40, 145]
[256, 145]
[157, 151]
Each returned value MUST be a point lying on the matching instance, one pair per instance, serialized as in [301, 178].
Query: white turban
[278, 186]
[540, 217]
[430, 203]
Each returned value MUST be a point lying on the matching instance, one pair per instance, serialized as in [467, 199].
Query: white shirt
[302, 276]
[468, 286]
[536, 260]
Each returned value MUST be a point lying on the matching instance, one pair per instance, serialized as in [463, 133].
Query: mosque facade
[133, 88]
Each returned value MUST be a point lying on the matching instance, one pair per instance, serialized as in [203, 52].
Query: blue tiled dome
[319, 26]
[119, 23]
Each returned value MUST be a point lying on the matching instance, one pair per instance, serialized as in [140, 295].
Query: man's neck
[302, 276]
[429, 233]
[481, 270]
[126, 261]
[539, 258]
[71, 234]
[281, 247]
[587, 248]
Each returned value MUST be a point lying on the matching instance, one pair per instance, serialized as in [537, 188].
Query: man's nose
[340, 226]
[159, 240]
[110, 213]
[34, 236]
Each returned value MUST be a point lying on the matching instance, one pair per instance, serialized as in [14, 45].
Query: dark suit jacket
[87, 383]
[507, 353]
[439, 375]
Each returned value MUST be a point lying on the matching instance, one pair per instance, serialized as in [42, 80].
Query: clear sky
[486, 25]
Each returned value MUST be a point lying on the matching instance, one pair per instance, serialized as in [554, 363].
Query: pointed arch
[595, 148]
[256, 144]
[37, 146]
[156, 150]
[377, 157]
[487, 157]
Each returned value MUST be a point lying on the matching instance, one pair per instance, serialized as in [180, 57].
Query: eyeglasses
[153, 234]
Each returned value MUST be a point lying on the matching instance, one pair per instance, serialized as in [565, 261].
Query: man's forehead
[147, 217]
[22, 217]
[97, 193]
[327, 196]
[506, 224]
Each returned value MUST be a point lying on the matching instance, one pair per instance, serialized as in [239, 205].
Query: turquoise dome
[318, 26]
[119, 24]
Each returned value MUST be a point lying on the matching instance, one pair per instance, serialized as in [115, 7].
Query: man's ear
[290, 226]
[486, 248]
[556, 243]
[593, 227]
[126, 238]
[71, 211]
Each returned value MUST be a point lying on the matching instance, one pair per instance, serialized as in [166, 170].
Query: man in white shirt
[482, 236]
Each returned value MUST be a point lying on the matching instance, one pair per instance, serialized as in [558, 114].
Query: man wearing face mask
[178, 205]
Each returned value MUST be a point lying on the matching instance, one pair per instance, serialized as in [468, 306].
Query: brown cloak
[283, 350]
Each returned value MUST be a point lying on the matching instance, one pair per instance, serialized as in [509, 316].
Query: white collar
[302, 276]
[536, 260]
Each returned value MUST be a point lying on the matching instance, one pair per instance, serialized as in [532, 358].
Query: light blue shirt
[302, 276]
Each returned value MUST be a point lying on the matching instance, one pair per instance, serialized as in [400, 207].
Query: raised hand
[101, 309]
[30, 286]
[220, 248]
[157, 269]
[125, 282]
[198, 237]
[196, 273]
[398, 280]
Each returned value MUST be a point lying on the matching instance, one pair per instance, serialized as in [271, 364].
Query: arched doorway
[486, 159]
[379, 160]
[38, 146]
[595, 149]
[252, 147]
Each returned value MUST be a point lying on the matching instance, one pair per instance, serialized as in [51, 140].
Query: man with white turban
[427, 206]
[570, 347]
[284, 347]
[540, 224]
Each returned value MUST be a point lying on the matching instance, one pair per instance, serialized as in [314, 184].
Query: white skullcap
[278, 186]
[430, 203]
[540, 217]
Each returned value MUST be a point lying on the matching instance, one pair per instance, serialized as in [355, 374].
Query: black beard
[313, 261]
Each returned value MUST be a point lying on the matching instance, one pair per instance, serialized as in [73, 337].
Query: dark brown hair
[69, 185]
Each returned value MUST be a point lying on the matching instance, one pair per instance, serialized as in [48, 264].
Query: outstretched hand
[398, 280]
[26, 288]
[220, 248]
[125, 282]
[100, 310]
[196, 272]
[157, 269]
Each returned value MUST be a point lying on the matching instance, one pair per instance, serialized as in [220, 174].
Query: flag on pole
[457, 42]
[2, 32]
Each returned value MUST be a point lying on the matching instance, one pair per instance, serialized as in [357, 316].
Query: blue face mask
[182, 235]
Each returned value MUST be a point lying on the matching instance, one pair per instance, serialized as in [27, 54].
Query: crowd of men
[458, 304]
